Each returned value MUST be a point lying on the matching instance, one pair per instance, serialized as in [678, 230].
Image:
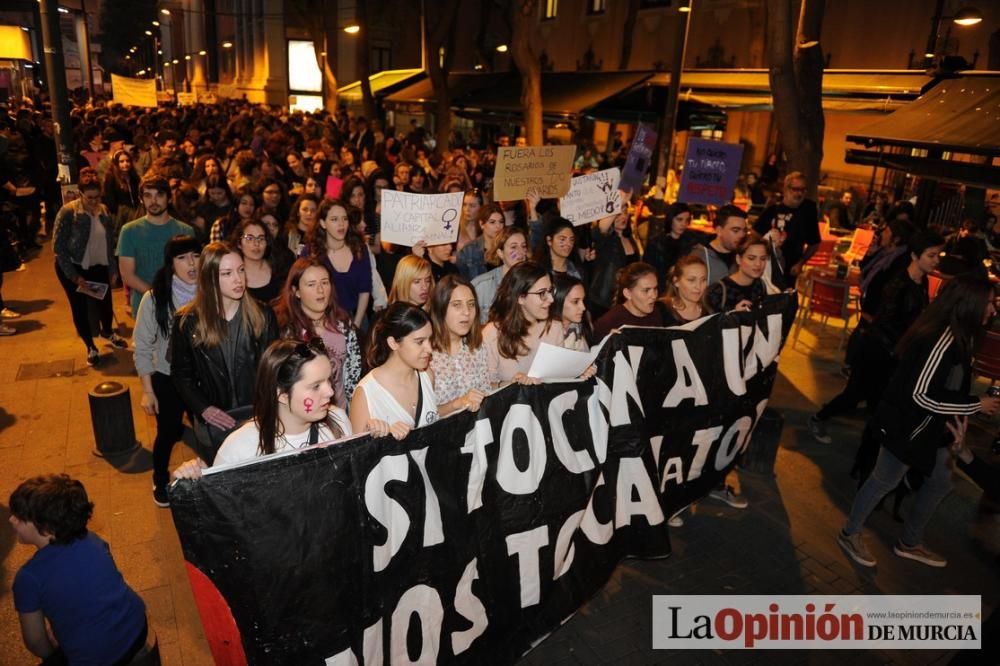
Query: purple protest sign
[639, 158]
[710, 171]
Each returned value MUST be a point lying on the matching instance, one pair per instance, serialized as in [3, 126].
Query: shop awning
[957, 115]
[383, 83]
[15, 44]
[564, 94]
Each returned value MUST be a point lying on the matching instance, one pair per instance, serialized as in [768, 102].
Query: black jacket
[200, 374]
[902, 301]
[930, 386]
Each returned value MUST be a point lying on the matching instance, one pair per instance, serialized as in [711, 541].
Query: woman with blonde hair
[687, 291]
[412, 282]
[511, 249]
[216, 343]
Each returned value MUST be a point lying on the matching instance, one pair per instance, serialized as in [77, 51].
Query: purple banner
[639, 158]
[710, 171]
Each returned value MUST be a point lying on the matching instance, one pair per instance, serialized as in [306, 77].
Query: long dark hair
[543, 253]
[280, 367]
[562, 284]
[399, 320]
[506, 313]
[316, 240]
[440, 298]
[162, 285]
[959, 306]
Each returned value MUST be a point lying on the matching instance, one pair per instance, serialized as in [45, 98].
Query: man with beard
[141, 243]
[793, 227]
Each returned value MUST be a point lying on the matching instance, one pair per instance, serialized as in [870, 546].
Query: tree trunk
[795, 61]
[524, 48]
[364, 65]
[440, 33]
[627, 32]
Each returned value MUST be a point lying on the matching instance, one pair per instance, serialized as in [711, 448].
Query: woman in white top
[398, 394]
[293, 407]
[459, 366]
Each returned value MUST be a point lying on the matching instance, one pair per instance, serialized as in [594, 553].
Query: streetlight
[227, 45]
[965, 17]
[202, 52]
[352, 29]
[165, 11]
[149, 33]
[502, 48]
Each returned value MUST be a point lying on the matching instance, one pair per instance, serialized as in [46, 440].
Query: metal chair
[824, 254]
[827, 298]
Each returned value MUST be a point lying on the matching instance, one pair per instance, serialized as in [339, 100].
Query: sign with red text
[710, 172]
[543, 170]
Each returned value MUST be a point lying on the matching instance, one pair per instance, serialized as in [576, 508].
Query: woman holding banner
[398, 394]
[635, 301]
[519, 322]
[459, 363]
[292, 407]
[569, 304]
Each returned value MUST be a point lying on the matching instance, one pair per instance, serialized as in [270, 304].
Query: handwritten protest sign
[710, 171]
[592, 197]
[408, 218]
[640, 156]
[544, 169]
[133, 92]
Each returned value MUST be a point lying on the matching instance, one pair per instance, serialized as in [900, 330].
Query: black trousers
[871, 368]
[169, 426]
[79, 304]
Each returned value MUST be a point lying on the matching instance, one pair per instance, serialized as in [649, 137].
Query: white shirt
[383, 406]
[242, 444]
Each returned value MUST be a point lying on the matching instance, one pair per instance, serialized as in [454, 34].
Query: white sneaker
[7, 330]
[676, 520]
[729, 496]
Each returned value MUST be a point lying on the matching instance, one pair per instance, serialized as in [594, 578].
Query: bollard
[760, 455]
[111, 416]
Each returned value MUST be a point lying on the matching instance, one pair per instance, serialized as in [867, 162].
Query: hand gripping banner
[475, 537]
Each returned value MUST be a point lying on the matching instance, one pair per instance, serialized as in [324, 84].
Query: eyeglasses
[310, 347]
[543, 293]
[255, 239]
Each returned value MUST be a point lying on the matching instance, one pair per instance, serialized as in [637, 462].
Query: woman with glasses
[274, 197]
[398, 394]
[172, 288]
[511, 249]
[217, 341]
[519, 322]
[459, 366]
[292, 408]
[308, 308]
[265, 274]
[478, 256]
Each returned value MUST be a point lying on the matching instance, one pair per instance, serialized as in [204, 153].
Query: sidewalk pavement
[784, 543]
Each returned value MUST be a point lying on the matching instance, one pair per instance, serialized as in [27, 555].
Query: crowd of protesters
[266, 306]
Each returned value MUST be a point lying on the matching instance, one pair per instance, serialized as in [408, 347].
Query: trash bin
[760, 455]
[111, 416]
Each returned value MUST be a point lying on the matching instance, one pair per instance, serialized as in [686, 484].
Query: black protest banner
[476, 536]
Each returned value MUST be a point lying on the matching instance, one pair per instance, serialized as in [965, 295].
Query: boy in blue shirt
[71, 581]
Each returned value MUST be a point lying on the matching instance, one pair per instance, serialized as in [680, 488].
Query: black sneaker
[117, 341]
[819, 431]
[160, 497]
[93, 356]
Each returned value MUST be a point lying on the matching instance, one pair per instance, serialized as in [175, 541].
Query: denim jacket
[72, 232]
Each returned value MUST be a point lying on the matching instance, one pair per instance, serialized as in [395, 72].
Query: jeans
[169, 426]
[79, 304]
[889, 471]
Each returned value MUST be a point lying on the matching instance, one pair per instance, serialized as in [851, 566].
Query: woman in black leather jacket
[218, 339]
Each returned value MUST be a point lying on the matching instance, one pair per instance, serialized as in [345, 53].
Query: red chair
[823, 255]
[827, 298]
[987, 360]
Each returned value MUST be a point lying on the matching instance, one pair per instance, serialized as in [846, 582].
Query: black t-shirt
[724, 295]
[447, 268]
[800, 224]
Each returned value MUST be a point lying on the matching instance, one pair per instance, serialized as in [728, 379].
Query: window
[381, 59]
[550, 9]
[648, 4]
[596, 6]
